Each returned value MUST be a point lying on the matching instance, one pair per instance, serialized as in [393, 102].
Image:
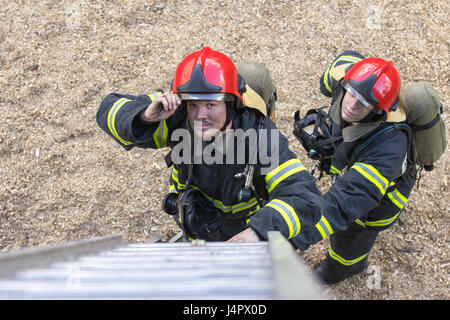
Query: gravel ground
[64, 179]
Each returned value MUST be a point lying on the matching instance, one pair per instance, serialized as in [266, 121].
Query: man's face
[352, 109]
[206, 117]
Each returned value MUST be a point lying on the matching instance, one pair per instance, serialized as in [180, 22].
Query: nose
[353, 103]
[201, 113]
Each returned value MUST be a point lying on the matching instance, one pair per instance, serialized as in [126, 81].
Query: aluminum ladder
[108, 268]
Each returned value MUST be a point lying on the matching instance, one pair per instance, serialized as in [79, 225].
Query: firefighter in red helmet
[371, 166]
[224, 199]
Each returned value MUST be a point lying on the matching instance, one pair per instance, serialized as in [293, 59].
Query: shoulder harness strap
[376, 138]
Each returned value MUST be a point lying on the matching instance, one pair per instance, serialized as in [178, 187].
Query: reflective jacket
[291, 200]
[372, 186]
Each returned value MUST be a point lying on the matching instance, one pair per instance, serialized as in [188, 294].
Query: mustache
[199, 123]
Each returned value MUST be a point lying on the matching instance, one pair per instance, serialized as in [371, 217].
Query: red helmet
[376, 83]
[208, 75]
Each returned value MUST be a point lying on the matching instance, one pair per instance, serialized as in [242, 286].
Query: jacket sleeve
[336, 71]
[118, 116]
[293, 198]
[358, 191]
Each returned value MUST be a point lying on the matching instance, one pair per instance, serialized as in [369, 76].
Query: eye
[360, 105]
[211, 105]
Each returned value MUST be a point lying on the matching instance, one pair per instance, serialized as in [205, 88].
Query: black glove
[325, 165]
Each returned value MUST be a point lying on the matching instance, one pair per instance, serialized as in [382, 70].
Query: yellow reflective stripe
[342, 58]
[325, 79]
[321, 231]
[378, 223]
[244, 205]
[175, 178]
[160, 135]
[372, 174]
[360, 223]
[172, 189]
[165, 133]
[343, 261]
[217, 203]
[112, 118]
[288, 214]
[335, 170]
[272, 116]
[348, 59]
[382, 223]
[397, 198]
[235, 208]
[281, 172]
[251, 213]
[326, 76]
[175, 174]
[324, 227]
[154, 95]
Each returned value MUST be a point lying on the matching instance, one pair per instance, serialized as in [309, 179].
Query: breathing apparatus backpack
[257, 76]
[423, 110]
[424, 124]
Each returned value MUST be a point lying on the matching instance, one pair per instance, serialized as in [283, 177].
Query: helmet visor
[361, 99]
[207, 96]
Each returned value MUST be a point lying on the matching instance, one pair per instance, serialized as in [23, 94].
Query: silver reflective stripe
[162, 123]
[218, 204]
[342, 260]
[295, 225]
[112, 117]
[400, 203]
[382, 223]
[175, 174]
[324, 227]
[372, 174]
[280, 173]
[244, 206]
[153, 96]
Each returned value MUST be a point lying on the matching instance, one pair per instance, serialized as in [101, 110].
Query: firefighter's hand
[162, 108]
[248, 235]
